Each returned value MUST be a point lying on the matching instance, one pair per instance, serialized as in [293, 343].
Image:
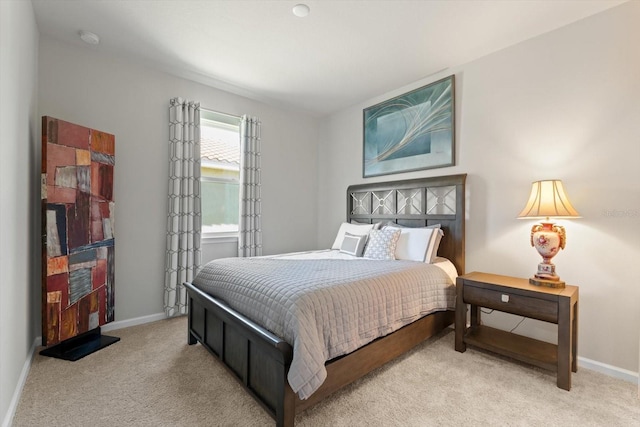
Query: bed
[261, 360]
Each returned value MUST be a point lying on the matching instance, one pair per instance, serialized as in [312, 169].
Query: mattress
[326, 303]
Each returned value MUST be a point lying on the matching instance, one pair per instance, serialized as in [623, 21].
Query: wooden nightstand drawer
[532, 307]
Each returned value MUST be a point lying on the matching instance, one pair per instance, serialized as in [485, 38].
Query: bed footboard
[259, 359]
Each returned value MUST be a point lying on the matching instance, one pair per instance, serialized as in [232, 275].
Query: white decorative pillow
[393, 224]
[434, 244]
[376, 226]
[417, 244]
[355, 229]
[382, 244]
[353, 245]
[413, 242]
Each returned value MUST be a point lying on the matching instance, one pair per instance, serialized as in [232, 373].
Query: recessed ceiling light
[301, 10]
[89, 37]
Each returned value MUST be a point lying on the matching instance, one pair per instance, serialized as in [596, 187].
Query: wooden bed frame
[260, 360]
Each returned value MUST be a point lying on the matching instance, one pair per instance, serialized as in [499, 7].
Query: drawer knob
[505, 298]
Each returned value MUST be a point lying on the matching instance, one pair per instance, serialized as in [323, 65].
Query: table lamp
[548, 200]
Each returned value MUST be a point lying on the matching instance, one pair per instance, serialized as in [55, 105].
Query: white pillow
[376, 226]
[355, 229]
[393, 224]
[382, 244]
[353, 245]
[434, 244]
[413, 243]
[417, 244]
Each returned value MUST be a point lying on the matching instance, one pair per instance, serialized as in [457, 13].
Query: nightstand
[516, 296]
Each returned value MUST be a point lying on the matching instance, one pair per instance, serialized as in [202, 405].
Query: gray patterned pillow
[382, 244]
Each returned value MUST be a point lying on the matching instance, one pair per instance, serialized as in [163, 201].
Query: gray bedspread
[328, 307]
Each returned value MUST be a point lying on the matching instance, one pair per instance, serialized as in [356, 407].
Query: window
[220, 173]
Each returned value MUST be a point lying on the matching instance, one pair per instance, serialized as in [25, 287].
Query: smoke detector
[301, 10]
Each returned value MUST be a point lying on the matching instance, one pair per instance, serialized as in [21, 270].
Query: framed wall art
[411, 132]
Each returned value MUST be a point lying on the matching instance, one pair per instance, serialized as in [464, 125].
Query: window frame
[210, 118]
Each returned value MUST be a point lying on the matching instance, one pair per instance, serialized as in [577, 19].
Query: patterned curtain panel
[250, 230]
[183, 219]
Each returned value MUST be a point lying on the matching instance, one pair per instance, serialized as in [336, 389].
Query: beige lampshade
[548, 199]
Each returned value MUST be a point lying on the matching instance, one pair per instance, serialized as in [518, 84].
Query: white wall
[562, 105]
[83, 85]
[19, 203]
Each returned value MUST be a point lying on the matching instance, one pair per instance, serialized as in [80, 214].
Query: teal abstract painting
[410, 132]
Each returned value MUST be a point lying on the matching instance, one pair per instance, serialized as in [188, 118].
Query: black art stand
[80, 346]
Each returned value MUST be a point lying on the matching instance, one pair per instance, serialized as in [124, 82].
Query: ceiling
[342, 53]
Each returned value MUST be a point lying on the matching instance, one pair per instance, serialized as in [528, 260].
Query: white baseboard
[132, 322]
[8, 419]
[609, 370]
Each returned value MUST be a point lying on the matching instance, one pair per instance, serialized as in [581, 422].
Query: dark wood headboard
[416, 203]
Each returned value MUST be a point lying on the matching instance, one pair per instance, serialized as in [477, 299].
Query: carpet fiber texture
[153, 378]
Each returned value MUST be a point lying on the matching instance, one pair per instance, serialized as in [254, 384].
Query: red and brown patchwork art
[78, 225]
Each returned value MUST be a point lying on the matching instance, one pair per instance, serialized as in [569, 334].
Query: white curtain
[183, 218]
[250, 230]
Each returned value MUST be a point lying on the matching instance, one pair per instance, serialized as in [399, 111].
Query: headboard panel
[416, 203]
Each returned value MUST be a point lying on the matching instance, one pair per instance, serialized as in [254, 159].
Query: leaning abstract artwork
[78, 223]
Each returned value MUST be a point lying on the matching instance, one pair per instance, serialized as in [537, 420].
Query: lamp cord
[491, 311]
[514, 328]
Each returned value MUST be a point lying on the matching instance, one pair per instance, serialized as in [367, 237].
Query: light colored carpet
[153, 378]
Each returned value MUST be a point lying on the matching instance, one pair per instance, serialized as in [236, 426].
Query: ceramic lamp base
[548, 283]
